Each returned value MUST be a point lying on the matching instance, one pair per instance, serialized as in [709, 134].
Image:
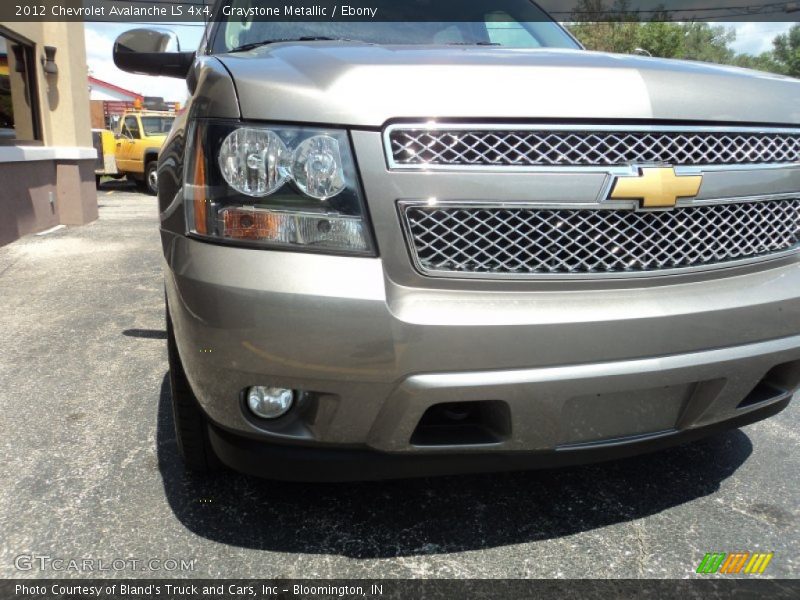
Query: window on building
[19, 110]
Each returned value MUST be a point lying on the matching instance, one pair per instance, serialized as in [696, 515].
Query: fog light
[269, 402]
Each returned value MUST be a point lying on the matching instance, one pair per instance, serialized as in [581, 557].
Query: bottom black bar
[406, 589]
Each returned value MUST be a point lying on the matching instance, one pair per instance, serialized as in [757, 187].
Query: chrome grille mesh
[529, 148]
[530, 241]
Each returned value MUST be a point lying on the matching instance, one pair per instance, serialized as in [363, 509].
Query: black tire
[191, 429]
[151, 178]
[97, 179]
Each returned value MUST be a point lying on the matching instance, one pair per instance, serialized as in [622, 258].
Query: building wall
[27, 194]
[53, 184]
[98, 114]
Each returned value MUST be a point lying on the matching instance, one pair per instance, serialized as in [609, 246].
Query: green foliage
[660, 38]
[612, 28]
[703, 42]
[605, 29]
[787, 51]
[763, 62]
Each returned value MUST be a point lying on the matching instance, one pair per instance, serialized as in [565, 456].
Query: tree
[763, 62]
[703, 42]
[787, 51]
[615, 27]
[661, 38]
[612, 29]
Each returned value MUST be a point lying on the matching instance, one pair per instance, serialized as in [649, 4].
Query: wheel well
[150, 156]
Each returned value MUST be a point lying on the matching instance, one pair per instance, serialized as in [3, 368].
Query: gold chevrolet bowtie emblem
[656, 187]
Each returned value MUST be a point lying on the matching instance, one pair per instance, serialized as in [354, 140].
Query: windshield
[157, 125]
[508, 23]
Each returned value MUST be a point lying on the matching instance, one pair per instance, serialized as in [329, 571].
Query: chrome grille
[519, 241]
[505, 146]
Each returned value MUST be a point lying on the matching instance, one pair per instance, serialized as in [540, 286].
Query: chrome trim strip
[613, 170]
[429, 125]
[597, 370]
[599, 205]
[404, 205]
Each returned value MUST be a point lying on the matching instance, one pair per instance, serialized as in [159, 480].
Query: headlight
[278, 186]
[254, 162]
[317, 167]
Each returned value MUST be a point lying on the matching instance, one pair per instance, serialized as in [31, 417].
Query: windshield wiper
[308, 38]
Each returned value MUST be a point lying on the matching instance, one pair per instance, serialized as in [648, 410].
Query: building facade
[47, 161]
[109, 98]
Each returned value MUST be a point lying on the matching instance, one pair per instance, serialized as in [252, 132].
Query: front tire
[191, 428]
[151, 178]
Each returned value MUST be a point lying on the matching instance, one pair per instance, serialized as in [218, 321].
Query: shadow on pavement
[432, 516]
[109, 185]
[148, 334]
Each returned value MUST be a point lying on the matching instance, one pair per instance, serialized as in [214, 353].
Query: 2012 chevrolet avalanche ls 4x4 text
[445, 245]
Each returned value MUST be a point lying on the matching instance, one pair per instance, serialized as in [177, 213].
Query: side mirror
[152, 52]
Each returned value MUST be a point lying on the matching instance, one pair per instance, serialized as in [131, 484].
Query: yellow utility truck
[138, 143]
[105, 143]
[131, 145]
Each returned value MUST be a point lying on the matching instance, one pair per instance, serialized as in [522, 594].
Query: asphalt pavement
[90, 467]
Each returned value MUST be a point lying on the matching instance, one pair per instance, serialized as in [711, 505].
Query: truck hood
[367, 85]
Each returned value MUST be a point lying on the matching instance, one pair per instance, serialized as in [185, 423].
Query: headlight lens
[317, 167]
[254, 162]
[275, 186]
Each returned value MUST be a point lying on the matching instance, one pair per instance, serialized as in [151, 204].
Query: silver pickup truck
[406, 248]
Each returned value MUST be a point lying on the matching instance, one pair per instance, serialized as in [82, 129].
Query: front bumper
[582, 372]
[300, 463]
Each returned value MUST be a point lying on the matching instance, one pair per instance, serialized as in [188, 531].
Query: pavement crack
[642, 555]
[8, 268]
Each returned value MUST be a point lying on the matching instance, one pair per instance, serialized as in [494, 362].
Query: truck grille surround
[493, 238]
[521, 148]
[523, 241]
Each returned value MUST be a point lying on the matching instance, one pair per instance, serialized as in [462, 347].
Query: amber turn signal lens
[243, 224]
[200, 204]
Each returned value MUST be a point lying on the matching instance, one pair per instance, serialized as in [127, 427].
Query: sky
[100, 43]
[755, 38]
[751, 38]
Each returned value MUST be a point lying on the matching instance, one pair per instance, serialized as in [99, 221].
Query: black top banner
[200, 11]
